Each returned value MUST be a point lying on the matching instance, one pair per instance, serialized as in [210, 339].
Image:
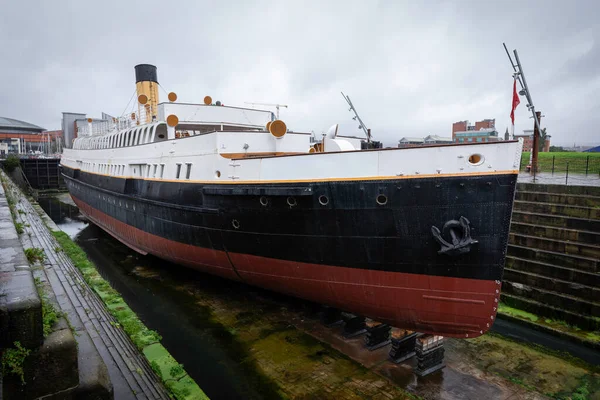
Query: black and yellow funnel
[146, 84]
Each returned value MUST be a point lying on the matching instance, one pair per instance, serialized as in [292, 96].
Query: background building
[482, 135]
[411, 142]
[487, 127]
[431, 139]
[21, 137]
[69, 128]
[527, 137]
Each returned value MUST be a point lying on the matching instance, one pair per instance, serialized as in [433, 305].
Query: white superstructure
[228, 144]
[222, 144]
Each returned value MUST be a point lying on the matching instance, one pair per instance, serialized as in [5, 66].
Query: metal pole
[526, 88]
[536, 141]
[553, 157]
[587, 164]
[567, 177]
[362, 125]
[514, 67]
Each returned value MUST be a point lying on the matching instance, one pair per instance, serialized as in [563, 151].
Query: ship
[412, 237]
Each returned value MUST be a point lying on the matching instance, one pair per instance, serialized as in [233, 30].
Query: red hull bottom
[446, 306]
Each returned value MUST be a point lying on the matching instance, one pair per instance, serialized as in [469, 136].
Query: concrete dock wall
[553, 262]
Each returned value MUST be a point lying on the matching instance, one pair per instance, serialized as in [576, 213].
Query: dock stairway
[553, 260]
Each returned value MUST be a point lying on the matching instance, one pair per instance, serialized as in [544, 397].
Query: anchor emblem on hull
[460, 233]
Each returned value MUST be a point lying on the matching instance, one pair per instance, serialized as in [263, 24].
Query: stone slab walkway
[129, 371]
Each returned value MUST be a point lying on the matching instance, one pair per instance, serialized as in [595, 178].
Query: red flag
[515, 101]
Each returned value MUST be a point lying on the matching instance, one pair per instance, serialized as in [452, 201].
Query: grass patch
[172, 373]
[49, 314]
[35, 254]
[19, 227]
[13, 359]
[577, 162]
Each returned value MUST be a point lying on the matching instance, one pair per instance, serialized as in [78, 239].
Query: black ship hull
[366, 246]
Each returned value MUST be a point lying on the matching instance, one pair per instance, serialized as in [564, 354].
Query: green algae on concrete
[180, 385]
[549, 373]
[283, 360]
[560, 327]
[503, 308]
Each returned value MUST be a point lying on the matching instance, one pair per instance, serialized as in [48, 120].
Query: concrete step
[578, 290]
[558, 209]
[556, 220]
[586, 264]
[553, 232]
[20, 310]
[559, 198]
[558, 246]
[48, 369]
[551, 298]
[553, 272]
[576, 190]
[545, 310]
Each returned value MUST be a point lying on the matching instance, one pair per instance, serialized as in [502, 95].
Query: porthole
[161, 136]
[323, 200]
[217, 174]
[263, 201]
[291, 201]
[382, 200]
[236, 224]
[476, 159]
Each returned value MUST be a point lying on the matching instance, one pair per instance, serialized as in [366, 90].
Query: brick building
[485, 126]
[527, 137]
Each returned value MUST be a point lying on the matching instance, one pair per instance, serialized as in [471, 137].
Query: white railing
[101, 127]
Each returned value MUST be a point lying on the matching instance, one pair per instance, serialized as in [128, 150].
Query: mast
[356, 117]
[520, 76]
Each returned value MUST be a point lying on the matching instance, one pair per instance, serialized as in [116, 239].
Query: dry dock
[103, 346]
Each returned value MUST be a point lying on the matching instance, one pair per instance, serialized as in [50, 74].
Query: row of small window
[148, 170]
[109, 169]
[479, 139]
[140, 170]
[188, 170]
[151, 170]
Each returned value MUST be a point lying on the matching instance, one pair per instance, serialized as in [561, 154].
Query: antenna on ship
[269, 105]
[520, 76]
[362, 125]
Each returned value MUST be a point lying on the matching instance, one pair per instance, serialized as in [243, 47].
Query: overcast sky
[412, 68]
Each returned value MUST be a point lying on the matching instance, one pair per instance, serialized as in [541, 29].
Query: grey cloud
[412, 68]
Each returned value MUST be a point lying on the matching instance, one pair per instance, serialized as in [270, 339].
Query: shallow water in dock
[239, 341]
[188, 335]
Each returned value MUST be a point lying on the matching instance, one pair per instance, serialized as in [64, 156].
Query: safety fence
[562, 168]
